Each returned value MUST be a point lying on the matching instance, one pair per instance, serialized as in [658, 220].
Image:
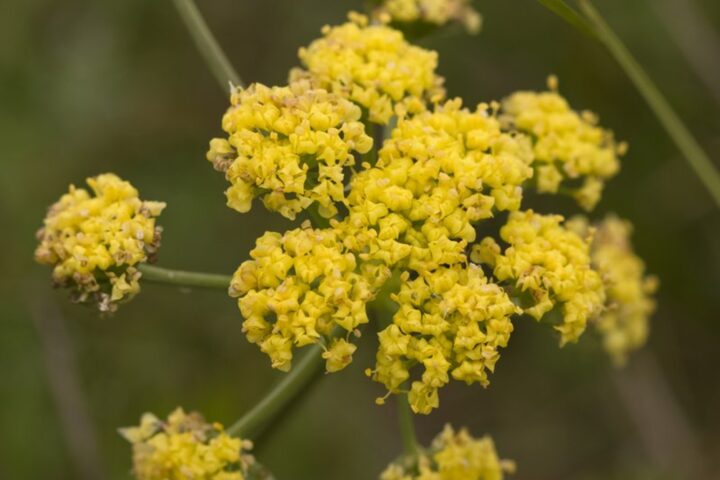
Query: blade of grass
[570, 15]
[208, 46]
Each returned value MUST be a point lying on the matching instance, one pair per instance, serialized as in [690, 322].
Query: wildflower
[298, 287]
[624, 323]
[550, 263]
[453, 456]
[568, 146]
[184, 447]
[434, 12]
[373, 66]
[288, 146]
[94, 241]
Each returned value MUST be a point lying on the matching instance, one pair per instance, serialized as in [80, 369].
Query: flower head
[289, 146]
[95, 239]
[298, 288]
[434, 12]
[569, 147]
[550, 265]
[373, 66]
[624, 323]
[185, 446]
[453, 456]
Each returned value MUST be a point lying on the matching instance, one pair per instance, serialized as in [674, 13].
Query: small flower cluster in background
[452, 456]
[185, 446]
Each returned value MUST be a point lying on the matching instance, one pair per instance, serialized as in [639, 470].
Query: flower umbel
[186, 447]
[288, 146]
[373, 66]
[435, 12]
[452, 456]
[95, 239]
[550, 263]
[569, 147]
[624, 323]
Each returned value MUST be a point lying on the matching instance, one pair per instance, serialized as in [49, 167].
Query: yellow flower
[624, 324]
[569, 147]
[436, 12]
[339, 355]
[185, 447]
[288, 146]
[298, 287]
[373, 66]
[453, 456]
[94, 240]
[549, 264]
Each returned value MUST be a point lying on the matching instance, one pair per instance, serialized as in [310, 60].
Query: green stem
[208, 46]
[407, 426]
[701, 164]
[567, 13]
[280, 396]
[182, 278]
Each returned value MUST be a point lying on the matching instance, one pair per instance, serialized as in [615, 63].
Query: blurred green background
[90, 87]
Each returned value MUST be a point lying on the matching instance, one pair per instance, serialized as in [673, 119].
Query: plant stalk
[407, 426]
[183, 278]
[208, 46]
[280, 396]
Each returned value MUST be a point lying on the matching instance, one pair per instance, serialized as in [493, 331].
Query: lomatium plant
[412, 226]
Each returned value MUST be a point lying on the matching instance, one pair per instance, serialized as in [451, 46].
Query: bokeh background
[90, 87]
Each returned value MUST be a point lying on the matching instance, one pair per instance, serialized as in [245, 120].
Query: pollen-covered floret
[373, 66]
[298, 287]
[624, 323]
[549, 266]
[288, 146]
[435, 12]
[186, 447]
[571, 152]
[93, 240]
[453, 456]
[451, 322]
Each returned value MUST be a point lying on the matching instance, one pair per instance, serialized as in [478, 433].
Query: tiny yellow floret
[435, 12]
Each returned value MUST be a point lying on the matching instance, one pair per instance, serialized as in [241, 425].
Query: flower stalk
[280, 396]
[182, 278]
[208, 46]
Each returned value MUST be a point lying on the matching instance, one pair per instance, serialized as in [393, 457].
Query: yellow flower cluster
[414, 211]
[298, 287]
[452, 322]
[289, 146]
[453, 456]
[436, 12]
[186, 447]
[624, 324]
[439, 173]
[373, 66]
[569, 147]
[550, 265]
[94, 240]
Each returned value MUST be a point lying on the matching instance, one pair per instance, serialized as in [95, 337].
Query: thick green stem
[182, 278]
[291, 386]
[407, 426]
[701, 164]
[208, 46]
